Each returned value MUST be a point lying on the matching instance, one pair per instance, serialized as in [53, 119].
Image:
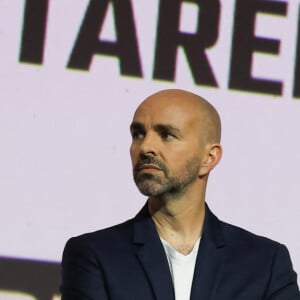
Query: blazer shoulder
[106, 238]
[237, 235]
[240, 240]
[223, 233]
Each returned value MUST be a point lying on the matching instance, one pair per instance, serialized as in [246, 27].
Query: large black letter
[297, 67]
[245, 43]
[194, 45]
[88, 42]
[34, 29]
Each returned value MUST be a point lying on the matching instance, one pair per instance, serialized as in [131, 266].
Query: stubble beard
[164, 185]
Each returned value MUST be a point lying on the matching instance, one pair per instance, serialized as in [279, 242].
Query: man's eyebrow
[137, 126]
[167, 127]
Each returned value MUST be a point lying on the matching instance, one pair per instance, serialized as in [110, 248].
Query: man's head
[175, 143]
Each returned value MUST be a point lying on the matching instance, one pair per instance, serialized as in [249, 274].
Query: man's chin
[149, 189]
[149, 184]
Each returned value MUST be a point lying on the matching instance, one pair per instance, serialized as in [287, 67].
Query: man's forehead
[165, 110]
[172, 120]
[170, 115]
[180, 109]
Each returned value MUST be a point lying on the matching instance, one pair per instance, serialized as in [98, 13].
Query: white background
[64, 137]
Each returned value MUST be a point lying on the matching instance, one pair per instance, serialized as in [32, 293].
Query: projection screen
[72, 74]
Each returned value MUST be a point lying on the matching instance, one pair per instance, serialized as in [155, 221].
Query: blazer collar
[151, 255]
[209, 260]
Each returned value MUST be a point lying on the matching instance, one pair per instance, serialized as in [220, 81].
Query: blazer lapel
[152, 257]
[209, 259]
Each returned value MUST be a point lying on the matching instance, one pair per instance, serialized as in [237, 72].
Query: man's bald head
[191, 104]
[175, 143]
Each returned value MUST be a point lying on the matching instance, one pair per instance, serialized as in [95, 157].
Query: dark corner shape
[41, 279]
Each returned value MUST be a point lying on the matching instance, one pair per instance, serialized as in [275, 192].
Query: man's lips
[149, 164]
[149, 167]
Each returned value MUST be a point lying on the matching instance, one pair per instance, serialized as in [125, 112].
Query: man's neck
[178, 221]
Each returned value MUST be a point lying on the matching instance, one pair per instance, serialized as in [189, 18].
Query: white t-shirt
[182, 269]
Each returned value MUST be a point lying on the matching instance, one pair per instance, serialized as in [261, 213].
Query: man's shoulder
[243, 240]
[107, 238]
[235, 236]
[123, 228]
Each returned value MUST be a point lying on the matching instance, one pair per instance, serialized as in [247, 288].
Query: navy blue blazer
[128, 262]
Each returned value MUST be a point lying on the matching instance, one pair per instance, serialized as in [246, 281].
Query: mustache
[149, 160]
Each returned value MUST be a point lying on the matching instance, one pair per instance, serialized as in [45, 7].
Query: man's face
[166, 149]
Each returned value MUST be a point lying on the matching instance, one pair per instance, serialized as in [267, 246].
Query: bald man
[175, 248]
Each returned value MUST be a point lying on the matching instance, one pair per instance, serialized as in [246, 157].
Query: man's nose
[149, 145]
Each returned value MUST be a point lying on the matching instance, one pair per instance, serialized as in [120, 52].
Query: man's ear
[212, 156]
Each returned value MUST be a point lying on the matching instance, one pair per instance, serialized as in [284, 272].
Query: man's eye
[167, 136]
[138, 135]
